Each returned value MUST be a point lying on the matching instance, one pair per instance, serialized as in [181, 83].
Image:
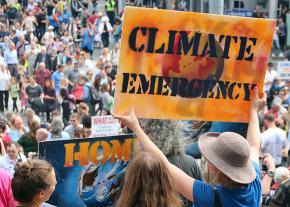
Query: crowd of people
[58, 65]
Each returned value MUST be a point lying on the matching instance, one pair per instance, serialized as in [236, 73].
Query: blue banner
[88, 171]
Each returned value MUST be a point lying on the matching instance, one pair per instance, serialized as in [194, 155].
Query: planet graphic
[200, 67]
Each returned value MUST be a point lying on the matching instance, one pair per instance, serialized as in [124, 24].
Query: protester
[30, 114]
[4, 136]
[6, 195]
[49, 98]
[218, 149]
[74, 124]
[56, 77]
[148, 183]
[56, 130]
[17, 128]
[67, 100]
[42, 75]
[105, 28]
[87, 125]
[33, 183]
[35, 95]
[12, 158]
[273, 139]
[41, 134]
[28, 141]
[281, 174]
[5, 78]
[14, 92]
[11, 59]
[282, 195]
[171, 143]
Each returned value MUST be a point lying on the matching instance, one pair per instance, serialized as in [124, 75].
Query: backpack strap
[217, 199]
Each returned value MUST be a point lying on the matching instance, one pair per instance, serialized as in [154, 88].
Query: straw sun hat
[230, 153]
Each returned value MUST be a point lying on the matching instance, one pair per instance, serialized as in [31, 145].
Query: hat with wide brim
[230, 153]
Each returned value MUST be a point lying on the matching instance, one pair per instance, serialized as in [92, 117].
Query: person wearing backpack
[91, 95]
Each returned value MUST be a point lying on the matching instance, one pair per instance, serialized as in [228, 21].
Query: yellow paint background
[166, 107]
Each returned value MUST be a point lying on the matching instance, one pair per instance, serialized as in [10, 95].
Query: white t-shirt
[273, 142]
[4, 80]
[269, 78]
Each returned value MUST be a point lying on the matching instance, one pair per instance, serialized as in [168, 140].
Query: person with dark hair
[148, 183]
[12, 158]
[33, 183]
[273, 139]
[232, 159]
[35, 95]
[49, 98]
[4, 137]
[87, 125]
[110, 6]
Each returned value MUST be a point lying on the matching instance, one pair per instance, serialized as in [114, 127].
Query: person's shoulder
[65, 135]
[281, 131]
[5, 176]
[3, 160]
[68, 128]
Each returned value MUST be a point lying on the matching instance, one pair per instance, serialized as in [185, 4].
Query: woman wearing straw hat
[232, 160]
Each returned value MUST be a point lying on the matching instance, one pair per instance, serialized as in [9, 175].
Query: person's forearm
[266, 183]
[253, 133]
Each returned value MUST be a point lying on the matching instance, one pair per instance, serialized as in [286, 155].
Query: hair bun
[24, 169]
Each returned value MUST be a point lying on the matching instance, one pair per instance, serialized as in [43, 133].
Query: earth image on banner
[99, 183]
[200, 67]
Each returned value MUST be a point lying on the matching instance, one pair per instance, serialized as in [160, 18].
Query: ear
[39, 196]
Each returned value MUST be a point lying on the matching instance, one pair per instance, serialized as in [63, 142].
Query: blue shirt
[56, 78]
[249, 196]
[63, 135]
[87, 92]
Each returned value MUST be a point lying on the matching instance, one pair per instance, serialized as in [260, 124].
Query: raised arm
[266, 181]
[182, 182]
[253, 134]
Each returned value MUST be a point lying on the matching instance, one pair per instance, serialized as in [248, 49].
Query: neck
[271, 126]
[27, 205]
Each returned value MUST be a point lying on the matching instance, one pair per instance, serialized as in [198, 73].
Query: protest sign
[239, 12]
[104, 126]
[190, 66]
[88, 171]
[283, 69]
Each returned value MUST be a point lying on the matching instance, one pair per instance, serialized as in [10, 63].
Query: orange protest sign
[191, 66]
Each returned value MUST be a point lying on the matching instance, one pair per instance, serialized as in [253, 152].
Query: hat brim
[243, 175]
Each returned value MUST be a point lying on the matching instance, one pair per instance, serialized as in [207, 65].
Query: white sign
[283, 69]
[105, 126]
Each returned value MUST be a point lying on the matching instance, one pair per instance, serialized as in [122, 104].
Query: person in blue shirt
[231, 159]
[56, 77]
